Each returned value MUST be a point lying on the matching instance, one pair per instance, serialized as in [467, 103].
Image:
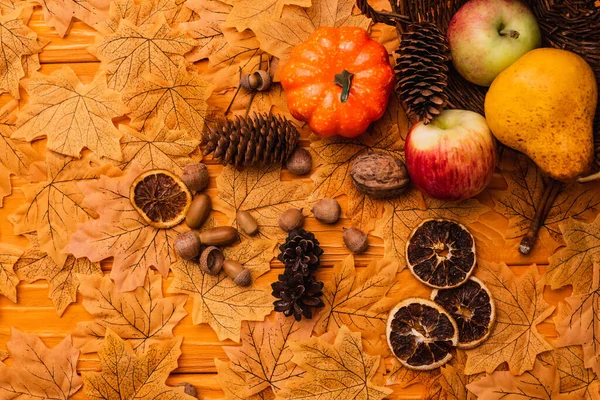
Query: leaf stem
[344, 80]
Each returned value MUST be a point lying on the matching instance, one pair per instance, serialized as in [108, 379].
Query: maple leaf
[63, 279]
[9, 255]
[179, 102]
[126, 375]
[357, 300]
[340, 370]
[265, 358]
[12, 6]
[142, 317]
[575, 378]
[17, 42]
[259, 191]
[218, 301]
[70, 114]
[157, 148]
[250, 13]
[234, 384]
[131, 51]
[38, 372]
[254, 254]
[574, 264]
[208, 30]
[54, 207]
[60, 13]
[453, 380]
[520, 307]
[336, 156]
[404, 377]
[122, 233]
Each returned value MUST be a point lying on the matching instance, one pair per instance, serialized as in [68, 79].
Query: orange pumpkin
[339, 81]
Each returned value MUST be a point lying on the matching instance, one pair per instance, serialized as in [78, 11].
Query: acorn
[299, 162]
[199, 211]
[291, 219]
[188, 389]
[195, 176]
[327, 211]
[240, 275]
[211, 260]
[187, 245]
[259, 80]
[355, 240]
[247, 223]
[219, 236]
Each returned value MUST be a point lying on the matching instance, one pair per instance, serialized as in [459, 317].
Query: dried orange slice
[161, 198]
[421, 334]
[441, 253]
[472, 307]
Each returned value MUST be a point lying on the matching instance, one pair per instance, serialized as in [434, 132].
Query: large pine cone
[298, 294]
[261, 139]
[301, 252]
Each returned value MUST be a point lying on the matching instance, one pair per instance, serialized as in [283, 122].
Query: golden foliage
[60, 13]
[9, 255]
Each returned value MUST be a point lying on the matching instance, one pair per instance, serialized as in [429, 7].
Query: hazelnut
[299, 162]
[187, 245]
[211, 260]
[355, 240]
[291, 219]
[237, 272]
[327, 211]
[188, 389]
[247, 223]
[195, 176]
[379, 175]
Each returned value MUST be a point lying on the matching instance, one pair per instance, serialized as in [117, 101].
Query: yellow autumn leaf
[11, 6]
[9, 255]
[454, 381]
[208, 30]
[234, 384]
[60, 13]
[249, 13]
[576, 381]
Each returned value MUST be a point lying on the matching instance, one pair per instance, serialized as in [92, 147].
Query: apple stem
[511, 33]
[544, 205]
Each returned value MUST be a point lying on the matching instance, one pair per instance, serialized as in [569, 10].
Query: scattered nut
[291, 219]
[299, 162]
[379, 175]
[219, 236]
[355, 240]
[188, 245]
[211, 260]
[237, 272]
[259, 80]
[195, 176]
[246, 221]
[327, 211]
[199, 211]
[188, 389]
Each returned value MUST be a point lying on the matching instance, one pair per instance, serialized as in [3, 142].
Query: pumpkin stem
[344, 80]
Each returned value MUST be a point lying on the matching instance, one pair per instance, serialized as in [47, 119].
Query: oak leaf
[38, 372]
[157, 148]
[208, 30]
[357, 298]
[340, 370]
[60, 13]
[218, 301]
[233, 384]
[130, 51]
[520, 307]
[63, 279]
[142, 317]
[126, 375]
[575, 379]
[259, 191]
[574, 264]
[336, 155]
[122, 233]
[180, 102]
[265, 357]
[250, 13]
[53, 208]
[9, 255]
[70, 114]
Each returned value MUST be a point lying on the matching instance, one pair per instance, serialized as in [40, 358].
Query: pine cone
[301, 252]
[298, 294]
[422, 70]
[259, 139]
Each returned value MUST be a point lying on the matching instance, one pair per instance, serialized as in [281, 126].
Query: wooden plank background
[34, 312]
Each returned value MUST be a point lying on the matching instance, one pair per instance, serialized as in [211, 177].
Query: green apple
[487, 36]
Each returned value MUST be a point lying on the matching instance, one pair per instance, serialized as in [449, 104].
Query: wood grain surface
[35, 313]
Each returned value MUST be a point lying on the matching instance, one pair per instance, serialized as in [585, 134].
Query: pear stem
[551, 191]
[510, 32]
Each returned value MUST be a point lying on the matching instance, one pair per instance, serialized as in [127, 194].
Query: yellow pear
[543, 105]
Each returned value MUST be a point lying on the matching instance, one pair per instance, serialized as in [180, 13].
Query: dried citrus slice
[441, 253]
[421, 334]
[472, 307]
[161, 198]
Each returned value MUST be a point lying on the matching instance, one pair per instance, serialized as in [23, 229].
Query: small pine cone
[297, 294]
[301, 252]
[422, 70]
[261, 139]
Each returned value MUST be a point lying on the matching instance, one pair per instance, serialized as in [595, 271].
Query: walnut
[379, 175]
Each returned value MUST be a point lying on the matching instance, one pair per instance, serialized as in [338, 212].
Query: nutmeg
[188, 389]
[247, 223]
[355, 240]
[199, 211]
[211, 260]
[258, 80]
[187, 245]
[299, 162]
[379, 175]
[327, 211]
[291, 219]
[195, 176]
[219, 236]
[237, 272]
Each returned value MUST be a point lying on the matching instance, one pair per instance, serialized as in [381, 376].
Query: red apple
[453, 157]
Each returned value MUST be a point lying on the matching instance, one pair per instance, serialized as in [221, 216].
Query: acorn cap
[211, 260]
